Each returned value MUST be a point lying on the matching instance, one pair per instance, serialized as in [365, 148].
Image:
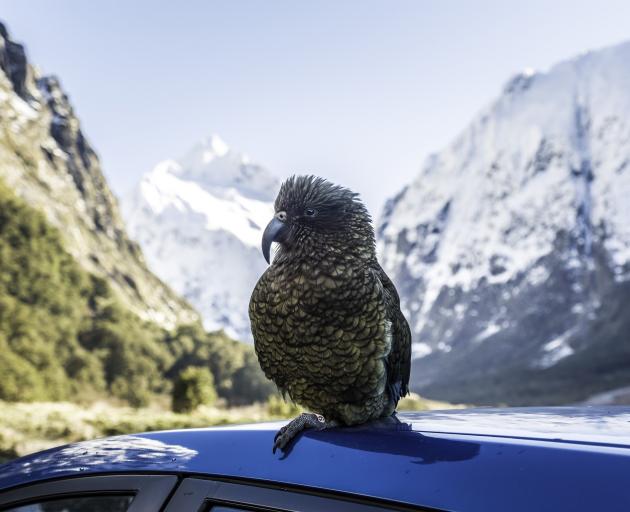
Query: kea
[326, 319]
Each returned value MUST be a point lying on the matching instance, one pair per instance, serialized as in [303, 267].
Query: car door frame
[150, 491]
[194, 493]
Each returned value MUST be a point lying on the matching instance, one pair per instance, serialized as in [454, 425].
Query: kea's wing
[261, 316]
[399, 358]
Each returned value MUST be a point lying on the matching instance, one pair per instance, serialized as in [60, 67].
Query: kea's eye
[310, 212]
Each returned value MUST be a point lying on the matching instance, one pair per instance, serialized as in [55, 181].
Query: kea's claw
[304, 421]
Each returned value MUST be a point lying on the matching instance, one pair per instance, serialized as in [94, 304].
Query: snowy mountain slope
[199, 221]
[511, 243]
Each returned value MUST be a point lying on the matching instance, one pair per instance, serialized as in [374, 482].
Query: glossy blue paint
[474, 460]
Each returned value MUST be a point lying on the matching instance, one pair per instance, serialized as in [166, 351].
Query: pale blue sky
[357, 91]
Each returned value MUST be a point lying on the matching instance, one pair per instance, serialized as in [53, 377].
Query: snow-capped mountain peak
[199, 221]
[212, 164]
[215, 146]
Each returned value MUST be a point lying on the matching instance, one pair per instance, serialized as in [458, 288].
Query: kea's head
[313, 216]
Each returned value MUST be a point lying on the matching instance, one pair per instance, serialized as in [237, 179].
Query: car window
[95, 493]
[77, 504]
[221, 496]
[222, 508]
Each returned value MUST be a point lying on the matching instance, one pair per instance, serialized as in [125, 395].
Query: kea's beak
[273, 232]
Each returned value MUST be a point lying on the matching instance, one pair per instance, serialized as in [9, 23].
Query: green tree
[19, 379]
[193, 387]
[249, 383]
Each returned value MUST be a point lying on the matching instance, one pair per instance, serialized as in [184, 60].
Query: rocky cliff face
[199, 221]
[46, 159]
[511, 248]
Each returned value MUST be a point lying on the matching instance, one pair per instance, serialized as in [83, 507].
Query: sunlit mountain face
[199, 221]
[48, 161]
[511, 248]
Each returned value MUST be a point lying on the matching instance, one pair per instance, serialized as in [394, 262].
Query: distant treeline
[65, 336]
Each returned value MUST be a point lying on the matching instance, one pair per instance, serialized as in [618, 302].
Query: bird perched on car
[326, 319]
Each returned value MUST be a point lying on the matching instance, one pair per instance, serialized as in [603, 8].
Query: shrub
[193, 387]
[249, 383]
[20, 380]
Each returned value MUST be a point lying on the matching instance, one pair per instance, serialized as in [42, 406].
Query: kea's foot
[304, 421]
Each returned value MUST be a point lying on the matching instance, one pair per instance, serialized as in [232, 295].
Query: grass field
[29, 427]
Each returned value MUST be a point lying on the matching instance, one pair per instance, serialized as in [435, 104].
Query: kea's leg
[304, 421]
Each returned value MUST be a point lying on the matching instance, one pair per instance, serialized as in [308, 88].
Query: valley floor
[30, 427]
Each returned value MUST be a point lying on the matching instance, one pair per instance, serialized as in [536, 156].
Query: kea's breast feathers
[326, 324]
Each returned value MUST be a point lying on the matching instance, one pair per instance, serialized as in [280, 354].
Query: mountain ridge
[510, 243]
[46, 159]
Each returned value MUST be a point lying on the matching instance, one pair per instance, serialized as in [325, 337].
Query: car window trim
[150, 491]
[195, 493]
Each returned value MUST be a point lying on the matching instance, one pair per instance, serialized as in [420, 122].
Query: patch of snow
[444, 347]
[537, 275]
[555, 350]
[491, 329]
[419, 350]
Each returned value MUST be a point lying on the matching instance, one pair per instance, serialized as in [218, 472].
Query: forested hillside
[47, 160]
[65, 336]
[81, 316]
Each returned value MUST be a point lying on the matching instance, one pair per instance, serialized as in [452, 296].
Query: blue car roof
[474, 459]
